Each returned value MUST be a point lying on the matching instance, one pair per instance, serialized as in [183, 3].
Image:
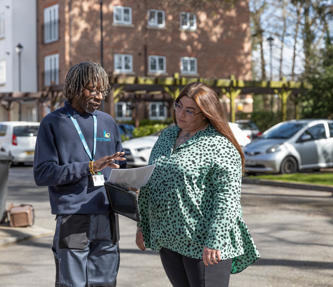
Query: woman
[190, 209]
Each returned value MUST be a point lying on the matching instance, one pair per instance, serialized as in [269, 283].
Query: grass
[322, 178]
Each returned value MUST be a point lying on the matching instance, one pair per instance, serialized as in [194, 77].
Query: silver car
[137, 150]
[18, 140]
[291, 146]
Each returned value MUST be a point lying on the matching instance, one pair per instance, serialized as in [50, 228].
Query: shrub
[146, 122]
[147, 130]
[265, 119]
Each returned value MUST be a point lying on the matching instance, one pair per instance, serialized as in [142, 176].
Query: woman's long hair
[210, 105]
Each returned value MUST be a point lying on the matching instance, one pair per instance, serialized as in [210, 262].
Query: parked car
[137, 150]
[249, 127]
[126, 130]
[292, 146]
[18, 139]
[242, 138]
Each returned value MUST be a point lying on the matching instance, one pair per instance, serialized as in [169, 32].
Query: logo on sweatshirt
[107, 135]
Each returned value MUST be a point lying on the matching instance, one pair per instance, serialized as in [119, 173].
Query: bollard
[4, 170]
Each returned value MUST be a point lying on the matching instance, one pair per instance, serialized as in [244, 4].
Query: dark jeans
[184, 271]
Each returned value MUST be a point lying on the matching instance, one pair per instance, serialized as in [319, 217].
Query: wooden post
[232, 94]
[297, 107]
[284, 95]
[113, 98]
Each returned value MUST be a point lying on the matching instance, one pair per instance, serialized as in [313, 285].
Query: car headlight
[142, 149]
[274, 148]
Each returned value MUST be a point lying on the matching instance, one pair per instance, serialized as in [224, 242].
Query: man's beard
[88, 106]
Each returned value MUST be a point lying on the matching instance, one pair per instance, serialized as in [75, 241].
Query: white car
[17, 140]
[137, 150]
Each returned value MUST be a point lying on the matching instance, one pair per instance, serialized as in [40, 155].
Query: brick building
[209, 39]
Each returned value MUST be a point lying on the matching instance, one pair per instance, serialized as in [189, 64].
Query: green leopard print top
[192, 199]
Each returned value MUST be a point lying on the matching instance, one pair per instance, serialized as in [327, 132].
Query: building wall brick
[221, 42]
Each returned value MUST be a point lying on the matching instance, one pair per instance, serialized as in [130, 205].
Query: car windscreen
[283, 131]
[25, 131]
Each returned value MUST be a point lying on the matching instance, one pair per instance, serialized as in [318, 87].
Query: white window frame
[3, 77]
[2, 25]
[153, 22]
[120, 10]
[51, 70]
[51, 23]
[121, 58]
[126, 111]
[157, 59]
[188, 26]
[183, 63]
[158, 107]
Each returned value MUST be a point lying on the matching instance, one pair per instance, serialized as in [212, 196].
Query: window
[330, 127]
[2, 72]
[122, 15]
[157, 64]
[157, 111]
[123, 111]
[156, 18]
[3, 129]
[123, 63]
[51, 70]
[51, 24]
[188, 21]
[26, 131]
[316, 132]
[188, 65]
[2, 25]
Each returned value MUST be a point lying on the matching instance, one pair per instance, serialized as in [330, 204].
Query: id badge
[98, 179]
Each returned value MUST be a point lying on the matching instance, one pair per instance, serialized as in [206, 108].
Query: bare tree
[283, 35]
[298, 10]
[257, 12]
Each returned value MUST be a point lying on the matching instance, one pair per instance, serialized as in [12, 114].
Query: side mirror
[305, 138]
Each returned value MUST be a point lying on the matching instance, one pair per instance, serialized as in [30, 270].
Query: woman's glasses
[188, 112]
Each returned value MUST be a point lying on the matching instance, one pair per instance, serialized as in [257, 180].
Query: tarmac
[10, 235]
[292, 229]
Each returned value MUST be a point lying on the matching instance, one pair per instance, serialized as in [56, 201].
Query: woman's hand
[139, 240]
[108, 160]
[211, 256]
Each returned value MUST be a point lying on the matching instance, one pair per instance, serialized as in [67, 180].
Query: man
[77, 146]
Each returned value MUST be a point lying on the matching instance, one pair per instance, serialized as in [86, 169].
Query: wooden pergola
[147, 86]
[230, 87]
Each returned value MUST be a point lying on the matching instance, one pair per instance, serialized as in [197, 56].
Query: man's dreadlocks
[79, 76]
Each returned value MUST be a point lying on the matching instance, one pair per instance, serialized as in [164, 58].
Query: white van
[17, 140]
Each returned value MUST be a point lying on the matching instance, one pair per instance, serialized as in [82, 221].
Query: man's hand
[211, 256]
[139, 240]
[108, 160]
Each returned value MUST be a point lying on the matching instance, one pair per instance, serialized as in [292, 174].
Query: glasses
[95, 92]
[188, 112]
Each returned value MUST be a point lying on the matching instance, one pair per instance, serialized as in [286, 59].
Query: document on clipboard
[131, 177]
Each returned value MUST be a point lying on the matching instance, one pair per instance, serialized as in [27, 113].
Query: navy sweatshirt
[62, 164]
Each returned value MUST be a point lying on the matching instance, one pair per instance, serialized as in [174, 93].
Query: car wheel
[289, 165]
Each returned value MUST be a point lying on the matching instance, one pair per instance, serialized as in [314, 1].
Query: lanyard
[83, 140]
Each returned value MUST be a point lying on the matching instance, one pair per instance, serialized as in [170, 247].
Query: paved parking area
[292, 229]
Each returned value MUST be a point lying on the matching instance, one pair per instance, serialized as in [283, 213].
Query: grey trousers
[184, 271]
[83, 251]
